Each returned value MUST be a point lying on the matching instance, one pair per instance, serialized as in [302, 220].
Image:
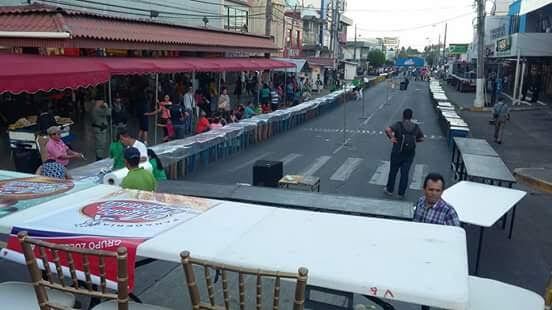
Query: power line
[416, 27]
[171, 14]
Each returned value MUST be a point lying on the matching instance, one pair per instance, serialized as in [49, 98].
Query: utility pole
[439, 50]
[354, 50]
[445, 45]
[268, 24]
[480, 84]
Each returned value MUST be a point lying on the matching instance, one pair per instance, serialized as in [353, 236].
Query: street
[351, 162]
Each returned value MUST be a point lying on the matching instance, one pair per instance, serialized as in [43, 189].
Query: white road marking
[249, 162]
[417, 177]
[366, 132]
[382, 172]
[318, 163]
[289, 158]
[345, 170]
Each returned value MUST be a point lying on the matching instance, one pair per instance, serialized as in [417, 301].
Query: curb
[524, 175]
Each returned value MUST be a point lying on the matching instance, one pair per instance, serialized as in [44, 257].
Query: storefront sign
[457, 49]
[503, 46]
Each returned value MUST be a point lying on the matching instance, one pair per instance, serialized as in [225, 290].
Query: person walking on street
[501, 113]
[404, 135]
[99, 122]
[137, 177]
[430, 208]
[190, 106]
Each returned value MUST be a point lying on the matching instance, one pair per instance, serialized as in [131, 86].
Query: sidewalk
[527, 136]
[464, 101]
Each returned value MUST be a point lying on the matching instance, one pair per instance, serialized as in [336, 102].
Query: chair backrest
[51, 255]
[189, 262]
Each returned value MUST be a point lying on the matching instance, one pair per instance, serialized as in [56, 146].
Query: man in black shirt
[404, 135]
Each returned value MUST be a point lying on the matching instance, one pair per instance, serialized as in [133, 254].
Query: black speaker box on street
[267, 173]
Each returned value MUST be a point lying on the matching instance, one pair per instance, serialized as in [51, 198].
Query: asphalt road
[348, 152]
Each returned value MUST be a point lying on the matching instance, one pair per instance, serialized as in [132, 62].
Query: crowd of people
[187, 107]
[197, 110]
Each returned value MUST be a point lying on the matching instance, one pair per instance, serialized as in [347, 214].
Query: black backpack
[407, 139]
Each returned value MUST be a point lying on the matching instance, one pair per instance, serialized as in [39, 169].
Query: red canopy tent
[32, 73]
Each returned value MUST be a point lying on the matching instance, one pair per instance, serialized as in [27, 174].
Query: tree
[402, 53]
[412, 52]
[376, 58]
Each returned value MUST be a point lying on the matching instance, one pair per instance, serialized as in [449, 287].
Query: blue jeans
[188, 124]
[399, 162]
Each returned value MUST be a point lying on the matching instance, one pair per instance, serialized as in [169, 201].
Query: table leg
[135, 298]
[512, 222]
[479, 246]
[504, 220]
[384, 305]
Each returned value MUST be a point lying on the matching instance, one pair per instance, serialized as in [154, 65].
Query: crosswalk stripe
[318, 163]
[289, 158]
[346, 169]
[380, 176]
[417, 177]
[250, 162]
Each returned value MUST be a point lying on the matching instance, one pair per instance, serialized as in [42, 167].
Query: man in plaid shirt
[431, 208]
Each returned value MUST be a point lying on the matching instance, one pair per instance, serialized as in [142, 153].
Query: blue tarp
[409, 62]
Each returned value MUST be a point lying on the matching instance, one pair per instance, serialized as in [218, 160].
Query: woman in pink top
[57, 150]
[164, 119]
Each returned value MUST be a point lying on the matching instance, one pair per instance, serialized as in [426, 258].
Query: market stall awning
[31, 74]
[40, 25]
[128, 66]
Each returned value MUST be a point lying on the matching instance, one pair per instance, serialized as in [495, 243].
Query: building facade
[525, 35]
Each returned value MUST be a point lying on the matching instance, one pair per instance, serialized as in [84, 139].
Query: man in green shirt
[116, 152]
[137, 177]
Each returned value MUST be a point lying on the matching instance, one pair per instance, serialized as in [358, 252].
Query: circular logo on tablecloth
[33, 187]
[129, 211]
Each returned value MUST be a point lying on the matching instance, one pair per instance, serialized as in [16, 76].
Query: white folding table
[482, 205]
[405, 261]
[487, 294]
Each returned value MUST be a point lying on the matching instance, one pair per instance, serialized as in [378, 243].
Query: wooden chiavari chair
[188, 264]
[49, 253]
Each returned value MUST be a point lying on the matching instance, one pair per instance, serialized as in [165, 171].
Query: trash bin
[267, 173]
[26, 160]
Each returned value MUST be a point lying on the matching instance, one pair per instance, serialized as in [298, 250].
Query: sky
[417, 23]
